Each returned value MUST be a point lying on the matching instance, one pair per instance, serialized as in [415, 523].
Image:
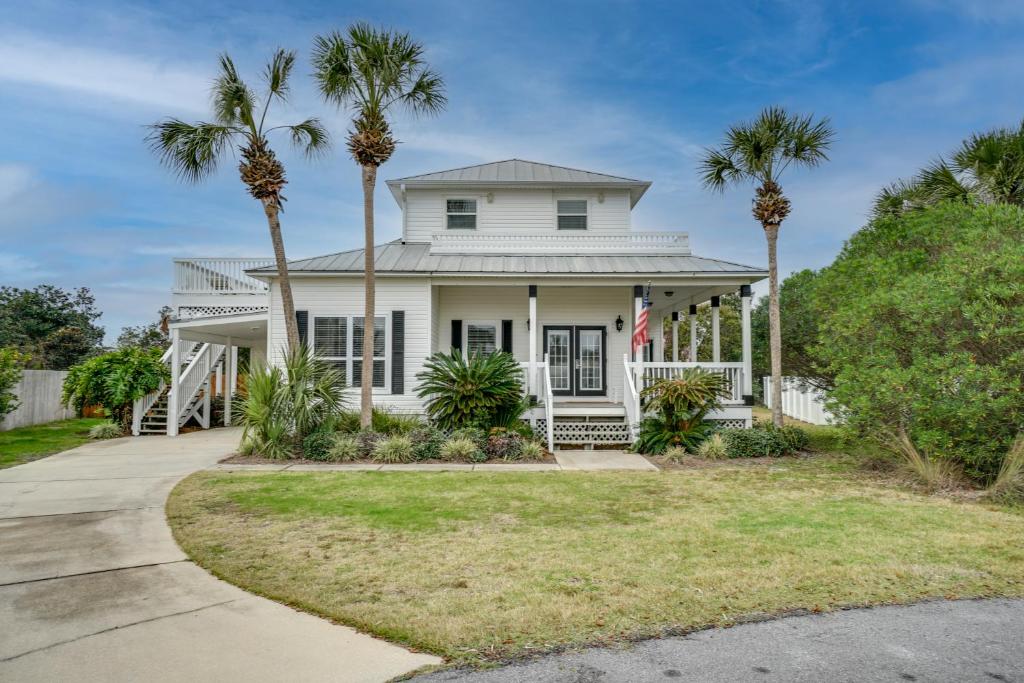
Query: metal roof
[396, 257]
[518, 172]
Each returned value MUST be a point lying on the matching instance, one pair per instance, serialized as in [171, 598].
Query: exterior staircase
[197, 364]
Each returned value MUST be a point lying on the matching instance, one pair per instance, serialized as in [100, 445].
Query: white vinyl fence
[799, 402]
[39, 395]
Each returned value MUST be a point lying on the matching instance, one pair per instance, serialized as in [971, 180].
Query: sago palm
[371, 72]
[240, 120]
[759, 152]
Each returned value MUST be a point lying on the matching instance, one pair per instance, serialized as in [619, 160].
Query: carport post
[231, 359]
[172, 394]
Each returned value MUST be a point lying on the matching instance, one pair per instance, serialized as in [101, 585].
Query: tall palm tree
[371, 72]
[987, 168]
[193, 150]
[759, 152]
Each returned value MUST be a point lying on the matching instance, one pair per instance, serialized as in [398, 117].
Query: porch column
[659, 340]
[172, 394]
[531, 325]
[748, 380]
[716, 346]
[675, 336]
[638, 304]
[693, 333]
[230, 359]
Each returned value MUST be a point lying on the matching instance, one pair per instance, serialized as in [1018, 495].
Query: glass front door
[576, 356]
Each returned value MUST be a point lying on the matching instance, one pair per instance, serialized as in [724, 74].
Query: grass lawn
[23, 444]
[484, 566]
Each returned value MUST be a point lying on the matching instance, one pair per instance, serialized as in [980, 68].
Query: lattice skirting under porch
[730, 423]
[582, 432]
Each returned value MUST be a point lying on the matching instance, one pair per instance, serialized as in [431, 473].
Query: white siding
[514, 210]
[344, 296]
[597, 305]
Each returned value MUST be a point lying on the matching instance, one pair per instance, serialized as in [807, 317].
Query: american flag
[641, 336]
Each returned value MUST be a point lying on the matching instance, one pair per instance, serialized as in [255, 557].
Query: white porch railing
[561, 243]
[199, 364]
[218, 275]
[631, 399]
[799, 402]
[541, 382]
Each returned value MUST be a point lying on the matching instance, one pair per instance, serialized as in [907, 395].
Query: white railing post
[531, 326]
[231, 363]
[175, 391]
[549, 403]
[748, 380]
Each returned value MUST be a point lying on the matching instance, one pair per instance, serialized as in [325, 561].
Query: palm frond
[940, 182]
[718, 170]
[233, 102]
[191, 149]
[901, 196]
[426, 96]
[808, 141]
[333, 70]
[311, 137]
[277, 72]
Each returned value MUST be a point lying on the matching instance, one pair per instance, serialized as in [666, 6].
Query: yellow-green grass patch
[482, 566]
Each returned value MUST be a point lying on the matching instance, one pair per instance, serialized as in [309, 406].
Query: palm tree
[195, 149]
[988, 168]
[370, 72]
[759, 152]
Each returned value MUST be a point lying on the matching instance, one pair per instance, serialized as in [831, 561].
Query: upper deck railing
[218, 275]
[565, 242]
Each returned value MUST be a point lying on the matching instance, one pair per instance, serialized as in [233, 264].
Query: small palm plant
[680, 405]
[373, 72]
[759, 152]
[240, 118]
[478, 390]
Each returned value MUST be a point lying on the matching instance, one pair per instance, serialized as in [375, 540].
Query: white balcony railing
[218, 275]
[645, 374]
[565, 242]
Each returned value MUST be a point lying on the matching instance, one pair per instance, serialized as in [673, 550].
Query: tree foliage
[152, 335]
[679, 405]
[922, 329]
[55, 327]
[115, 380]
[479, 390]
[12, 363]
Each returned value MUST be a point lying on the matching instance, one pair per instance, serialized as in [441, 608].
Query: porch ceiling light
[619, 323]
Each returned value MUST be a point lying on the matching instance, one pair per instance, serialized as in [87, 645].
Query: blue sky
[629, 88]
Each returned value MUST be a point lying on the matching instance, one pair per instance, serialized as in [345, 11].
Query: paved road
[93, 587]
[938, 641]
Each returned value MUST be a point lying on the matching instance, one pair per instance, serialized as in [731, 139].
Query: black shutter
[302, 320]
[457, 335]
[506, 336]
[397, 352]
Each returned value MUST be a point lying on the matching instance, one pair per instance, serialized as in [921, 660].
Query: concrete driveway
[93, 587]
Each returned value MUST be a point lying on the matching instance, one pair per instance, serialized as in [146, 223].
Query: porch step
[587, 409]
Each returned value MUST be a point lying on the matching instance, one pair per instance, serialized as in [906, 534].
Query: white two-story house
[537, 260]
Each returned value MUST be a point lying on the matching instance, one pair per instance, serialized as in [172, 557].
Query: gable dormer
[516, 198]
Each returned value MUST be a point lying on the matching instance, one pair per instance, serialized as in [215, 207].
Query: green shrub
[107, 430]
[677, 453]
[12, 363]
[483, 389]
[753, 443]
[713, 448]
[504, 445]
[318, 445]
[922, 326]
[794, 438]
[284, 404]
[531, 450]
[347, 422]
[388, 422]
[1008, 486]
[474, 434]
[345, 448]
[115, 380]
[680, 405]
[461, 449]
[426, 442]
[393, 449]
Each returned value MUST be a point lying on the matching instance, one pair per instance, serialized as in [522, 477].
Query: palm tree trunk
[774, 327]
[366, 393]
[291, 326]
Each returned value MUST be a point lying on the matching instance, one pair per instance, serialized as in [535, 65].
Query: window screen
[481, 338]
[572, 214]
[461, 214]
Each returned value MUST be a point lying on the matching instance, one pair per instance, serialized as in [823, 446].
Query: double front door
[576, 358]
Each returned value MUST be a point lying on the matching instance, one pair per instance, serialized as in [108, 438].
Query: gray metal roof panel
[517, 171]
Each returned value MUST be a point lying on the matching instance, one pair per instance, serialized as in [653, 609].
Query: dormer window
[572, 214]
[461, 214]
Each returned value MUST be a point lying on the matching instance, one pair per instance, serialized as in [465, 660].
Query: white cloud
[102, 74]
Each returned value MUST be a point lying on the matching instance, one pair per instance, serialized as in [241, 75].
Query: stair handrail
[549, 406]
[632, 398]
[142, 405]
[196, 375]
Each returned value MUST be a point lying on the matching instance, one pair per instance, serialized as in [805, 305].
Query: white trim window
[339, 341]
[482, 337]
[572, 214]
[460, 214]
